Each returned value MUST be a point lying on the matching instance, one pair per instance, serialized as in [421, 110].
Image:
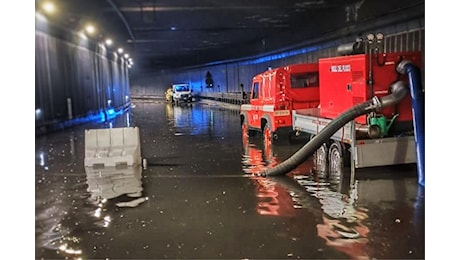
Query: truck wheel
[320, 159]
[268, 135]
[336, 162]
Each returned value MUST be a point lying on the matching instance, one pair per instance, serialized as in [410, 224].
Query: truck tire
[339, 158]
[336, 162]
[268, 135]
[320, 159]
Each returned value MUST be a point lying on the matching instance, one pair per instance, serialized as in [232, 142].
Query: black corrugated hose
[398, 91]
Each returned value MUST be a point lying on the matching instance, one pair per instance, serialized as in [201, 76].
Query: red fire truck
[275, 94]
[379, 135]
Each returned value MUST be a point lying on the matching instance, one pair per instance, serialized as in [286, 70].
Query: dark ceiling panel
[163, 34]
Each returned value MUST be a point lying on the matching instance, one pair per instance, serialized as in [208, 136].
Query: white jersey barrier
[112, 147]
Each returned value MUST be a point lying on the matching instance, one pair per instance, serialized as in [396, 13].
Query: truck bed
[364, 152]
[309, 121]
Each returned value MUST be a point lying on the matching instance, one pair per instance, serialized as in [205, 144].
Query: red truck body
[349, 80]
[333, 85]
[276, 93]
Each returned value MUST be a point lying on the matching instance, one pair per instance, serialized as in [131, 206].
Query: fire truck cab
[275, 93]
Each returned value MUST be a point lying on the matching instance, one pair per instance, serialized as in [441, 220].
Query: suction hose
[418, 113]
[398, 89]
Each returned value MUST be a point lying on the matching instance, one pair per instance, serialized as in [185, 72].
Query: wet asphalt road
[198, 199]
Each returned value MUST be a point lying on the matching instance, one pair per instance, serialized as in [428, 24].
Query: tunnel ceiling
[165, 34]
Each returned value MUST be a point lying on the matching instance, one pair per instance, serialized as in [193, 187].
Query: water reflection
[259, 155]
[72, 155]
[190, 120]
[342, 221]
[122, 118]
[112, 182]
[256, 159]
[63, 221]
[49, 157]
[273, 199]
[62, 217]
[341, 224]
[197, 119]
[41, 159]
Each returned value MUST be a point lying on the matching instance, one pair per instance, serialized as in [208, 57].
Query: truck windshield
[182, 88]
[304, 80]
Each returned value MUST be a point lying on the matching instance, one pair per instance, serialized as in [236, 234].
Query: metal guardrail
[236, 98]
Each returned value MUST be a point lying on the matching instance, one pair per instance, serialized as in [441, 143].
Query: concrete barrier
[112, 147]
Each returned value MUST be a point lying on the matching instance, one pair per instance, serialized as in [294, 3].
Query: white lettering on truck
[341, 68]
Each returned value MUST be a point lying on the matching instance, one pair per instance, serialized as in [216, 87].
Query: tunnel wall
[76, 81]
[228, 75]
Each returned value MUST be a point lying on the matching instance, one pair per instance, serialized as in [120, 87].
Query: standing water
[198, 197]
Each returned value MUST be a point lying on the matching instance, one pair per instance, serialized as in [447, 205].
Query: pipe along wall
[399, 90]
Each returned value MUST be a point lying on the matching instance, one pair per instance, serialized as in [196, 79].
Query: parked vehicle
[369, 103]
[181, 93]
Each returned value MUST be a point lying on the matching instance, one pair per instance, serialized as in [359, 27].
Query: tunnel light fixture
[90, 29]
[126, 55]
[38, 114]
[379, 37]
[370, 37]
[108, 42]
[49, 7]
[120, 50]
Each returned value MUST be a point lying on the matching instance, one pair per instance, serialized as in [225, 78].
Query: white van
[181, 93]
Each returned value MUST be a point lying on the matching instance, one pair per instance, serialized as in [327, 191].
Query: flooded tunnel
[197, 197]
[196, 192]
